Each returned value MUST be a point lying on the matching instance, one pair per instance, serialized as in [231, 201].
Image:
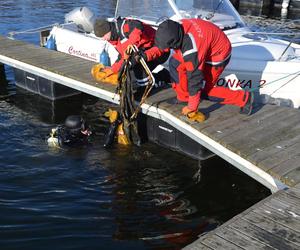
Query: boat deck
[273, 223]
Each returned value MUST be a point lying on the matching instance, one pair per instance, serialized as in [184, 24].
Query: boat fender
[51, 43]
[104, 58]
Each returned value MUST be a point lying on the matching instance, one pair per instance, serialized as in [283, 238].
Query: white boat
[261, 63]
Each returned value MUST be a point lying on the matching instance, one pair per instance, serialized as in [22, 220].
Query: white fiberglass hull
[266, 66]
[86, 46]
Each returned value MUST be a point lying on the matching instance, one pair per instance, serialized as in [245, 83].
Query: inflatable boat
[261, 63]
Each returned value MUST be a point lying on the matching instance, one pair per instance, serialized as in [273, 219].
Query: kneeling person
[124, 32]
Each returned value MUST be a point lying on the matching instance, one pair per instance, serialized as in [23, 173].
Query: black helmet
[169, 35]
[75, 124]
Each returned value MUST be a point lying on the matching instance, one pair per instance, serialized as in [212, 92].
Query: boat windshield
[220, 12]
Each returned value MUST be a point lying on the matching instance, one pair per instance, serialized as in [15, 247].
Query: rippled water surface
[91, 198]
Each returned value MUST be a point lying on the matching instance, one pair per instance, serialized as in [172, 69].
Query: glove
[104, 74]
[112, 115]
[193, 116]
[196, 117]
[185, 110]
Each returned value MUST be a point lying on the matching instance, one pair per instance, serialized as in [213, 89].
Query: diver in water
[74, 132]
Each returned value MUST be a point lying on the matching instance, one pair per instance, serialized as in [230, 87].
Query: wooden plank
[297, 186]
[273, 150]
[289, 199]
[161, 98]
[197, 245]
[273, 227]
[8, 43]
[253, 126]
[216, 242]
[48, 60]
[295, 192]
[235, 123]
[277, 159]
[292, 162]
[262, 235]
[293, 177]
[240, 239]
[283, 206]
[278, 215]
[249, 141]
[25, 51]
[284, 129]
[76, 68]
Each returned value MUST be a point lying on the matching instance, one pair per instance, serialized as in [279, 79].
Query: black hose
[110, 136]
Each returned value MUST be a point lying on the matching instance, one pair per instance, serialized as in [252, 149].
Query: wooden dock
[264, 145]
[273, 223]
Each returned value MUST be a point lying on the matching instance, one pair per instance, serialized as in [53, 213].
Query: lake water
[92, 198]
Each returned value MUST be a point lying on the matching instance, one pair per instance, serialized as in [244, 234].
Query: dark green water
[91, 198]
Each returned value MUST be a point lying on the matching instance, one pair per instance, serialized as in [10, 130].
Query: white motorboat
[261, 63]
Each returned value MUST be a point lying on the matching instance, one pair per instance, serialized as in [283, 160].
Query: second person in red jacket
[202, 51]
[124, 32]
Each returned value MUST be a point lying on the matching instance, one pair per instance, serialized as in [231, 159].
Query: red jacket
[136, 33]
[202, 43]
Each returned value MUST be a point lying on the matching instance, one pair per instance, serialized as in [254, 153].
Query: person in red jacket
[201, 52]
[124, 32]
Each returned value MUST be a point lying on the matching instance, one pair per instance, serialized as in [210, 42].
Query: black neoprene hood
[169, 35]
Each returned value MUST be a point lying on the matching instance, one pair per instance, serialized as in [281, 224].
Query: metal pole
[2, 74]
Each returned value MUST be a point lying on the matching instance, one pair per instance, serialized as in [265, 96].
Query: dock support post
[2, 74]
[285, 9]
[235, 3]
[3, 81]
[267, 7]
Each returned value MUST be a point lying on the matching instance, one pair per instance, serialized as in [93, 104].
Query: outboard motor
[74, 132]
[83, 17]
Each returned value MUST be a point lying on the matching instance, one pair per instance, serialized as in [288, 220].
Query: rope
[35, 30]
[296, 75]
